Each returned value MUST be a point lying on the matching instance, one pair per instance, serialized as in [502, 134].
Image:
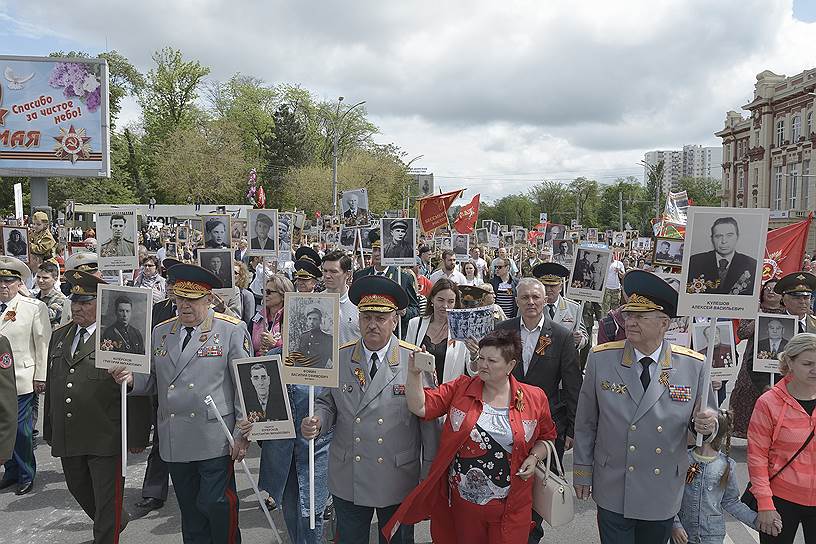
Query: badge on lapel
[680, 393]
[543, 343]
[348, 388]
[398, 390]
[160, 351]
[664, 378]
[6, 360]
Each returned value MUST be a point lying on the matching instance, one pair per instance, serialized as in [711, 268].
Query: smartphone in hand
[424, 361]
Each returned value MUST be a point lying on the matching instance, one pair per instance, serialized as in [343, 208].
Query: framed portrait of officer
[262, 228]
[354, 208]
[668, 252]
[519, 236]
[285, 227]
[262, 390]
[124, 327]
[772, 332]
[724, 365]
[365, 239]
[588, 274]
[116, 232]
[171, 249]
[398, 239]
[15, 242]
[219, 262]
[563, 252]
[217, 231]
[310, 338]
[722, 262]
[495, 234]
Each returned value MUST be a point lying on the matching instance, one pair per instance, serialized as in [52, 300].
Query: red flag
[261, 197]
[433, 210]
[467, 217]
[784, 249]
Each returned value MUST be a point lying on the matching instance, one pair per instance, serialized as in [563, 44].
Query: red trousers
[476, 524]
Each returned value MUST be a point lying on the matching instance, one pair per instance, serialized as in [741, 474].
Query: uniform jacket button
[190, 386]
[633, 428]
[357, 439]
[357, 458]
[660, 428]
[631, 448]
[631, 468]
[70, 370]
[379, 441]
[379, 421]
[172, 386]
[69, 385]
[357, 420]
[658, 451]
[68, 414]
[657, 472]
[379, 460]
[68, 400]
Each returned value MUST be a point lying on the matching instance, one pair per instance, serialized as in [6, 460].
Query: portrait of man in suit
[663, 252]
[723, 270]
[264, 400]
[219, 263]
[315, 344]
[775, 341]
[262, 240]
[353, 211]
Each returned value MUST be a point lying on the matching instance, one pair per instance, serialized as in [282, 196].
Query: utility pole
[620, 211]
[334, 158]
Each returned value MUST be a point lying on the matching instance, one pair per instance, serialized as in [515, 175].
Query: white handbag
[553, 497]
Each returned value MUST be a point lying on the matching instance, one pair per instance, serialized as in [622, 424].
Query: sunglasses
[270, 292]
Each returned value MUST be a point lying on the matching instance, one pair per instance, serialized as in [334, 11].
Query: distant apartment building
[693, 161]
[767, 155]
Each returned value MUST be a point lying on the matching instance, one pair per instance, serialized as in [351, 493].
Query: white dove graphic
[16, 82]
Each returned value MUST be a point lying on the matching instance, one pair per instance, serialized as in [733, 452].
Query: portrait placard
[310, 338]
[124, 323]
[354, 208]
[460, 244]
[365, 239]
[555, 232]
[398, 238]
[465, 323]
[772, 332]
[722, 269]
[592, 235]
[116, 231]
[563, 252]
[542, 217]
[239, 229]
[262, 390]
[588, 274]
[219, 262]
[495, 236]
[668, 252]
[347, 238]
[285, 227]
[482, 237]
[618, 239]
[182, 234]
[519, 235]
[217, 231]
[724, 365]
[15, 243]
[263, 227]
[171, 250]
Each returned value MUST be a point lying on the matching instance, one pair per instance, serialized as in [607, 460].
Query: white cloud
[483, 89]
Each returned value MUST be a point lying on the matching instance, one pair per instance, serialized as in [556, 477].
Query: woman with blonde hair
[267, 324]
[781, 449]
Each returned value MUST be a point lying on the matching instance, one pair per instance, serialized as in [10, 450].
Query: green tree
[702, 191]
[552, 197]
[654, 189]
[632, 191]
[584, 193]
[248, 102]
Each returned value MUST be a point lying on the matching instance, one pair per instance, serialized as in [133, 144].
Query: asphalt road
[50, 514]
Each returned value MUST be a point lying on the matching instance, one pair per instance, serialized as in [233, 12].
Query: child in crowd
[711, 488]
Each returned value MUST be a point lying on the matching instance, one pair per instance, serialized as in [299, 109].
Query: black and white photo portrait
[668, 252]
[563, 252]
[116, 233]
[310, 345]
[460, 243]
[219, 262]
[285, 226]
[15, 240]
[724, 364]
[262, 391]
[588, 274]
[592, 234]
[482, 237]
[217, 232]
[722, 265]
[519, 235]
[398, 239]
[263, 227]
[772, 332]
[171, 250]
[555, 232]
[125, 325]
[347, 238]
[355, 208]
[618, 239]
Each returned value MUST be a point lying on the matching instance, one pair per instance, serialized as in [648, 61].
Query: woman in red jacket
[782, 422]
[479, 489]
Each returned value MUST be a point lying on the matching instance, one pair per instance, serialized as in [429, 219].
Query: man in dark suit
[266, 404]
[723, 270]
[8, 401]
[315, 344]
[395, 274]
[354, 215]
[775, 341]
[662, 254]
[549, 361]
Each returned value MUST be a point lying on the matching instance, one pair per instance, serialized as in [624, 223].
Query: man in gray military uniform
[380, 449]
[636, 405]
[191, 359]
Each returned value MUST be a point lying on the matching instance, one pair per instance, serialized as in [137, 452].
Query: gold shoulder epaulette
[609, 345]
[225, 317]
[686, 351]
[348, 344]
[408, 345]
[165, 321]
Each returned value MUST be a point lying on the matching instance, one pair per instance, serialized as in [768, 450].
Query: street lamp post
[338, 119]
[406, 193]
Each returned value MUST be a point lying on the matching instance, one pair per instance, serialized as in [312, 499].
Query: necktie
[187, 338]
[801, 327]
[721, 271]
[82, 333]
[3, 307]
[645, 374]
[551, 308]
[373, 370]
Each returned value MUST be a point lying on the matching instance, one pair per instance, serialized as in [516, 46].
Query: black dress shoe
[7, 483]
[22, 489]
[150, 503]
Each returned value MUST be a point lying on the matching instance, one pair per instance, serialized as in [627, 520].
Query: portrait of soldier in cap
[398, 245]
[262, 225]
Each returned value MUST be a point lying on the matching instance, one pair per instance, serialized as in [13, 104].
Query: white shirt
[480, 264]
[529, 338]
[349, 320]
[183, 335]
[612, 277]
[91, 330]
[456, 277]
[381, 357]
[655, 356]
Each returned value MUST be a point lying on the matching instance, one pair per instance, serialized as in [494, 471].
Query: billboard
[54, 117]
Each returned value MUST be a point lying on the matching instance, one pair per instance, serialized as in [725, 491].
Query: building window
[776, 194]
[756, 138]
[796, 128]
[780, 133]
[806, 185]
[809, 124]
[793, 186]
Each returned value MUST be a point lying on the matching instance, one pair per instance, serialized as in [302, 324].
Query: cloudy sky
[496, 96]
